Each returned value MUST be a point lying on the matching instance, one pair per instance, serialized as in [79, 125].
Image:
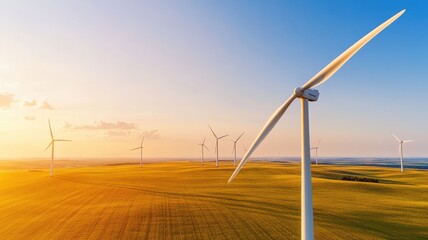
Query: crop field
[186, 200]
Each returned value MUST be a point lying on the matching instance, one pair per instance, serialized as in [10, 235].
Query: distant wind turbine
[316, 151]
[234, 149]
[141, 152]
[203, 146]
[216, 144]
[400, 149]
[306, 93]
[53, 140]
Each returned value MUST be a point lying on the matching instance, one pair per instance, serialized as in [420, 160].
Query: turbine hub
[310, 94]
[298, 91]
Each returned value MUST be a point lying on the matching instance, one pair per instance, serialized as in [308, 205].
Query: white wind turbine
[400, 149]
[234, 149]
[53, 140]
[316, 151]
[305, 93]
[203, 146]
[141, 152]
[216, 144]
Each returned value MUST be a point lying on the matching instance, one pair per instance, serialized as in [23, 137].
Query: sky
[107, 73]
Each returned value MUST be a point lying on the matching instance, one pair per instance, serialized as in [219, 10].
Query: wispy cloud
[30, 118]
[46, 105]
[31, 103]
[101, 125]
[6, 100]
[118, 133]
[152, 134]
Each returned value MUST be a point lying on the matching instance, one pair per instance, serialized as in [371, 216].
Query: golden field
[184, 200]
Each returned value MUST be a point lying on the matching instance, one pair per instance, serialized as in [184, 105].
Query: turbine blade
[50, 129]
[212, 131]
[243, 145]
[62, 140]
[203, 142]
[313, 148]
[270, 124]
[206, 147]
[239, 137]
[408, 141]
[48, 146]
[134, 149]
[396, 137]
[318, 142]
[337, 63]
[223, 136]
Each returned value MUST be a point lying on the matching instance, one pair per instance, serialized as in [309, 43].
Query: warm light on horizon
[112, 76]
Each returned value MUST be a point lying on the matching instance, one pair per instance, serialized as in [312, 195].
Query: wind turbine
[400, 149]
[234, 149]
[141, 152]
[53, 140]
[306, 93]
[203, 146]
[216, 144]
[316, 151]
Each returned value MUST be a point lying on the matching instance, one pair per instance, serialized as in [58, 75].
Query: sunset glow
[108, 74]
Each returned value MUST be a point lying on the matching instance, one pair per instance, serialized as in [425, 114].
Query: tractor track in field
[222, 203]
[167, 204]
[149, 221]
[273, 209]
[37, 214]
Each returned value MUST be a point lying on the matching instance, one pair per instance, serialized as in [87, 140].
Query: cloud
[46, 105]
[101, 125]
[6, 100]
[118, 133]
[30, 118]
[151, 134]
[31, 103]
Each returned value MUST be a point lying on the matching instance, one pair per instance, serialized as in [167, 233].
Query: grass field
[184, 200]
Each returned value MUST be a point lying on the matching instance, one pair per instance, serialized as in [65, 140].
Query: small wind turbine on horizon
[141, 152]
[216, 144]
[234, 149]
[52, 143]
[306, 93]
[400, 149]
[316, 151]
[203, 146]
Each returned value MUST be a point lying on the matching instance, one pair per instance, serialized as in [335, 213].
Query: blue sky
[115, 71]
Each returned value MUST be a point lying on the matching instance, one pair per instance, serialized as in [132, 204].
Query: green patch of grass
[359, 179]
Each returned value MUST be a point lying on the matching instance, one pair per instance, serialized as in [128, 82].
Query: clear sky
[108, 72]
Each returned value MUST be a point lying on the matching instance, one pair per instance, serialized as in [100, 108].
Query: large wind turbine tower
[203, 146]
[234, 149]
[306, 94]
[141, 152]
[216, 144]
[316, 151]
[400, 149]
[52, 143]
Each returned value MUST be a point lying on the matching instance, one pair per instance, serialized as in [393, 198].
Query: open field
[184, 200]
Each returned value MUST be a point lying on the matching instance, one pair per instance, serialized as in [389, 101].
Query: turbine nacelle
[310, 94]
[306, 93]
